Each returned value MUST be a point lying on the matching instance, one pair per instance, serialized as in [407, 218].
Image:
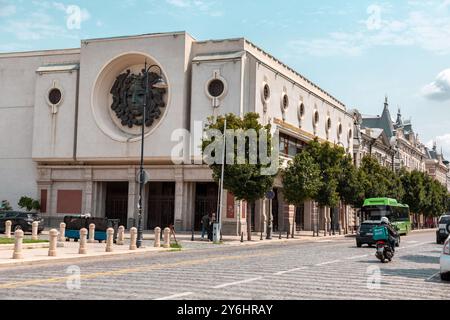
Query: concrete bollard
[157, 237]
[109, 239]
[53, 237]
[91, 233]
[62, 232]
[18, 235]
[8, 229]
[166, 238]
[83, 241]
[121, 236]
[34, 230]
[133, 238]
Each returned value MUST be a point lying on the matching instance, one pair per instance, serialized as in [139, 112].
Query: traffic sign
[146, 177]
[270, 195]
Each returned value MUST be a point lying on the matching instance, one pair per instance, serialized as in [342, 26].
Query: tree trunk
[249, 220]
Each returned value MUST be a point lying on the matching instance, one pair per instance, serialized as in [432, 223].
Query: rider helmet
[385, 220]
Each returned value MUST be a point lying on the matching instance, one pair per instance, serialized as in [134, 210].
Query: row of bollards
[57, 239]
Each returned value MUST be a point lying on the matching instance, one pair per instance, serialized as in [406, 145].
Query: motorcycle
[384, 251]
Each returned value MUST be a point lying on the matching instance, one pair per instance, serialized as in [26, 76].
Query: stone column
[88, 192]
[121, 236]
[166, 238]
[133, 238]
[157, 237]
[83, 240]
[132, 196]
[34, 231]
[53, 235]
[179, 194]
[18, 240]
[91, 233]
[109, 239]
[8, 229]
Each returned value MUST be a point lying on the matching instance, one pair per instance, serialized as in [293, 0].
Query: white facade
[78, 158]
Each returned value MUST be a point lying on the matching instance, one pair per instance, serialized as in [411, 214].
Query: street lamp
[159, 83]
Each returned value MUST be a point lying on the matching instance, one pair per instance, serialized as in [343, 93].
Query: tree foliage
[301, 179]
[5, 206]
[29, 204]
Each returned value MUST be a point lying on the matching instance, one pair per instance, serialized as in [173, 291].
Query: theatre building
[71, 120]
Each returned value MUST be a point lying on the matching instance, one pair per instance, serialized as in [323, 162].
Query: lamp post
[159, 83]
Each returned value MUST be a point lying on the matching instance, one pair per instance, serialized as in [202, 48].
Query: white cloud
[202, 6]
[440, 88]
[427, 28]
[7, 10]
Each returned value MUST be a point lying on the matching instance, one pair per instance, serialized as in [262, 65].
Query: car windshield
[367, 227]
[444, 220]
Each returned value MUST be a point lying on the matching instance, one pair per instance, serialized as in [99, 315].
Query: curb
[42, 245]
[84, 258]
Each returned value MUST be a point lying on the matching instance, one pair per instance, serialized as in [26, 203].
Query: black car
[444, 229]
[20, 220]
[365, 234]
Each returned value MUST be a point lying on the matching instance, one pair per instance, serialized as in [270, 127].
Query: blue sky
[357, 50]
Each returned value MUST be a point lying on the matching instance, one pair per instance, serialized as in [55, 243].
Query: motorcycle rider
[392, 233]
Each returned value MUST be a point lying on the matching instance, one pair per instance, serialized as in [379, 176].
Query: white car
[445, 261]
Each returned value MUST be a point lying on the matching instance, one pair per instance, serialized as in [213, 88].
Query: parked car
[365, 234]
[21, 220]
[445, 261]
[444, 229]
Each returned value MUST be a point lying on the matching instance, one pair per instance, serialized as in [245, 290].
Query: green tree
[350, 187]
[414, 191]
[5, 206]
[245, 180]
[329, 158]
[29, 204]
[301, 179]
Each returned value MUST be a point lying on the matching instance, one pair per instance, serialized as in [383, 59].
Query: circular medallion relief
[126, 96]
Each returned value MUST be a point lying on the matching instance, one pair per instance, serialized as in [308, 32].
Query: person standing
[205, 225]
[211, 218]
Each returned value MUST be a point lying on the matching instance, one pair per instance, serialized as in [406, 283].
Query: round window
[266, 92]
[285, 101]
[54, 96]
[216, 88]
[328, 124]
[301, 110]
[316, 118]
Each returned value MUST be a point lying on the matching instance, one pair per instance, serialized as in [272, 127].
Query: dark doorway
[205, 201]
[300, 217]
[275, 211]
[161, 205]
[116, 206]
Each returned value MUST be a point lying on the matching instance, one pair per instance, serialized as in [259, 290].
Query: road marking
[324, 241]
[411, 242]
[415, 245]
[358, 257]
[237, 282]
[184, 294]
[326, 263]
[119, 272]
[289, 271]
[433, 276]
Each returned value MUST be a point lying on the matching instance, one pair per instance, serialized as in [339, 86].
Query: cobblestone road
[321, 270]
